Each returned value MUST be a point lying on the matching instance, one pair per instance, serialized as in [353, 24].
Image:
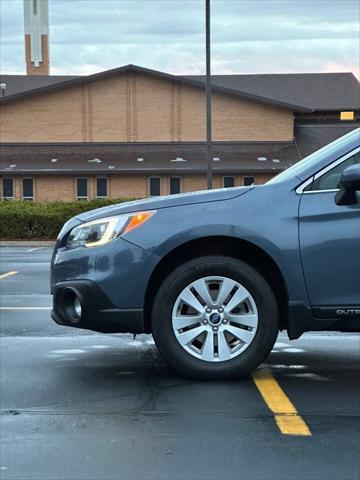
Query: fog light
[77, 307]
[72, 305]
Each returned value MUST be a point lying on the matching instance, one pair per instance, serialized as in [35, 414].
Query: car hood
[155, 203]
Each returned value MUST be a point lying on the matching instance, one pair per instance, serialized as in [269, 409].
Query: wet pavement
[81, 405]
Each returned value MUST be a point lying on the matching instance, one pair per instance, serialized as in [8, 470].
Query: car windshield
[296, 169]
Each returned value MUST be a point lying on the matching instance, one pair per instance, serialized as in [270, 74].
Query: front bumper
[109, 281]
[98, 313]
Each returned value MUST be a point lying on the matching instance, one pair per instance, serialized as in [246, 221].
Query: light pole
[208, 98]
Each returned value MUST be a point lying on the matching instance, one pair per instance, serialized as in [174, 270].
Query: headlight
[104, 230]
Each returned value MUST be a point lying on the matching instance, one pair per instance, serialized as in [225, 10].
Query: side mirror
[349, 185]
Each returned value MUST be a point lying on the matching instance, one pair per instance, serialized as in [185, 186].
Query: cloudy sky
[248, 36]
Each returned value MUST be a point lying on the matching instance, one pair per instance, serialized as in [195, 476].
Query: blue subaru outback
[215, 275]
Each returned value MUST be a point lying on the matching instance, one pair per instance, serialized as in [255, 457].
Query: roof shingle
[157, 158]
[317, 91]
[312, 137]
[22, 83]
[313, 91]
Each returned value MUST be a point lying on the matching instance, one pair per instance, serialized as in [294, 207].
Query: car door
[329, 237]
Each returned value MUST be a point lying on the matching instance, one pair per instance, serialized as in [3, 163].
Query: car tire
[203, 357]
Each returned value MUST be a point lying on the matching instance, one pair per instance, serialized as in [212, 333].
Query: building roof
[317, 91]
[16, 84]
[38, 90]
[311, 137]
[301, 91]
[157, 158]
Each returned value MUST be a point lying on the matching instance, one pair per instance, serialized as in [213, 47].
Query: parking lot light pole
[208, 99]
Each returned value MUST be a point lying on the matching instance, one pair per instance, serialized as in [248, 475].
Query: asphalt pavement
[82, 405]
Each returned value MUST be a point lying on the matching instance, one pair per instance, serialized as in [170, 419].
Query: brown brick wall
[44, 67]
[138, 107]
[108, 110]
[54, 187]
[128, 186]
[192, 183]
[193, 113]
[54, 117]
[235, 119]
[199, 182]
[63, 187]
[46, 187]
[153, 109]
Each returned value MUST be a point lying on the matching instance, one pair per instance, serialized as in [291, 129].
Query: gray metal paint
[266, 216]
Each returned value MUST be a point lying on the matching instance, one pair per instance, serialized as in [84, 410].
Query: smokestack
[36, 22]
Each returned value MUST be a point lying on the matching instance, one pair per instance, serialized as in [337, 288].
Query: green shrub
[24, 220]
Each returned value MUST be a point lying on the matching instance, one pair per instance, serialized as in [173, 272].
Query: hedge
[25, 220]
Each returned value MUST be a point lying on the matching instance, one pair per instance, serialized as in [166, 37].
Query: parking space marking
[33, 249]
[286, 416]
[8, 274]
[25, 308]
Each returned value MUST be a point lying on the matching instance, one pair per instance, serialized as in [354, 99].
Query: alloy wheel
[215, 319]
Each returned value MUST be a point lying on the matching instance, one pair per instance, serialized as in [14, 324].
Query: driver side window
[331, 179]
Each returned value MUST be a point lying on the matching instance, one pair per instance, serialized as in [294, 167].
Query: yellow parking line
[8, 274]
[286, 416]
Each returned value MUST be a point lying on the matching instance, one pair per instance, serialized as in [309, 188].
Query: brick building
[136, 132]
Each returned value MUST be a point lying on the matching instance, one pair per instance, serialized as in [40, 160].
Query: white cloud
[88, 36]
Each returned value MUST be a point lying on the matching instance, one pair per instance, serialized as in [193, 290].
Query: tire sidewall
[182, 277]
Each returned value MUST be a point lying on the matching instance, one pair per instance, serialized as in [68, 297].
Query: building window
[155, 186]
[175, 185]
[249, 181]
[101, 187]
[347, 116]
[82, 188]
[8, 188]
[229, 182]
[28, 189]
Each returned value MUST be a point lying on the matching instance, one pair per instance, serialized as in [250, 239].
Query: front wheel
[215, 317]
